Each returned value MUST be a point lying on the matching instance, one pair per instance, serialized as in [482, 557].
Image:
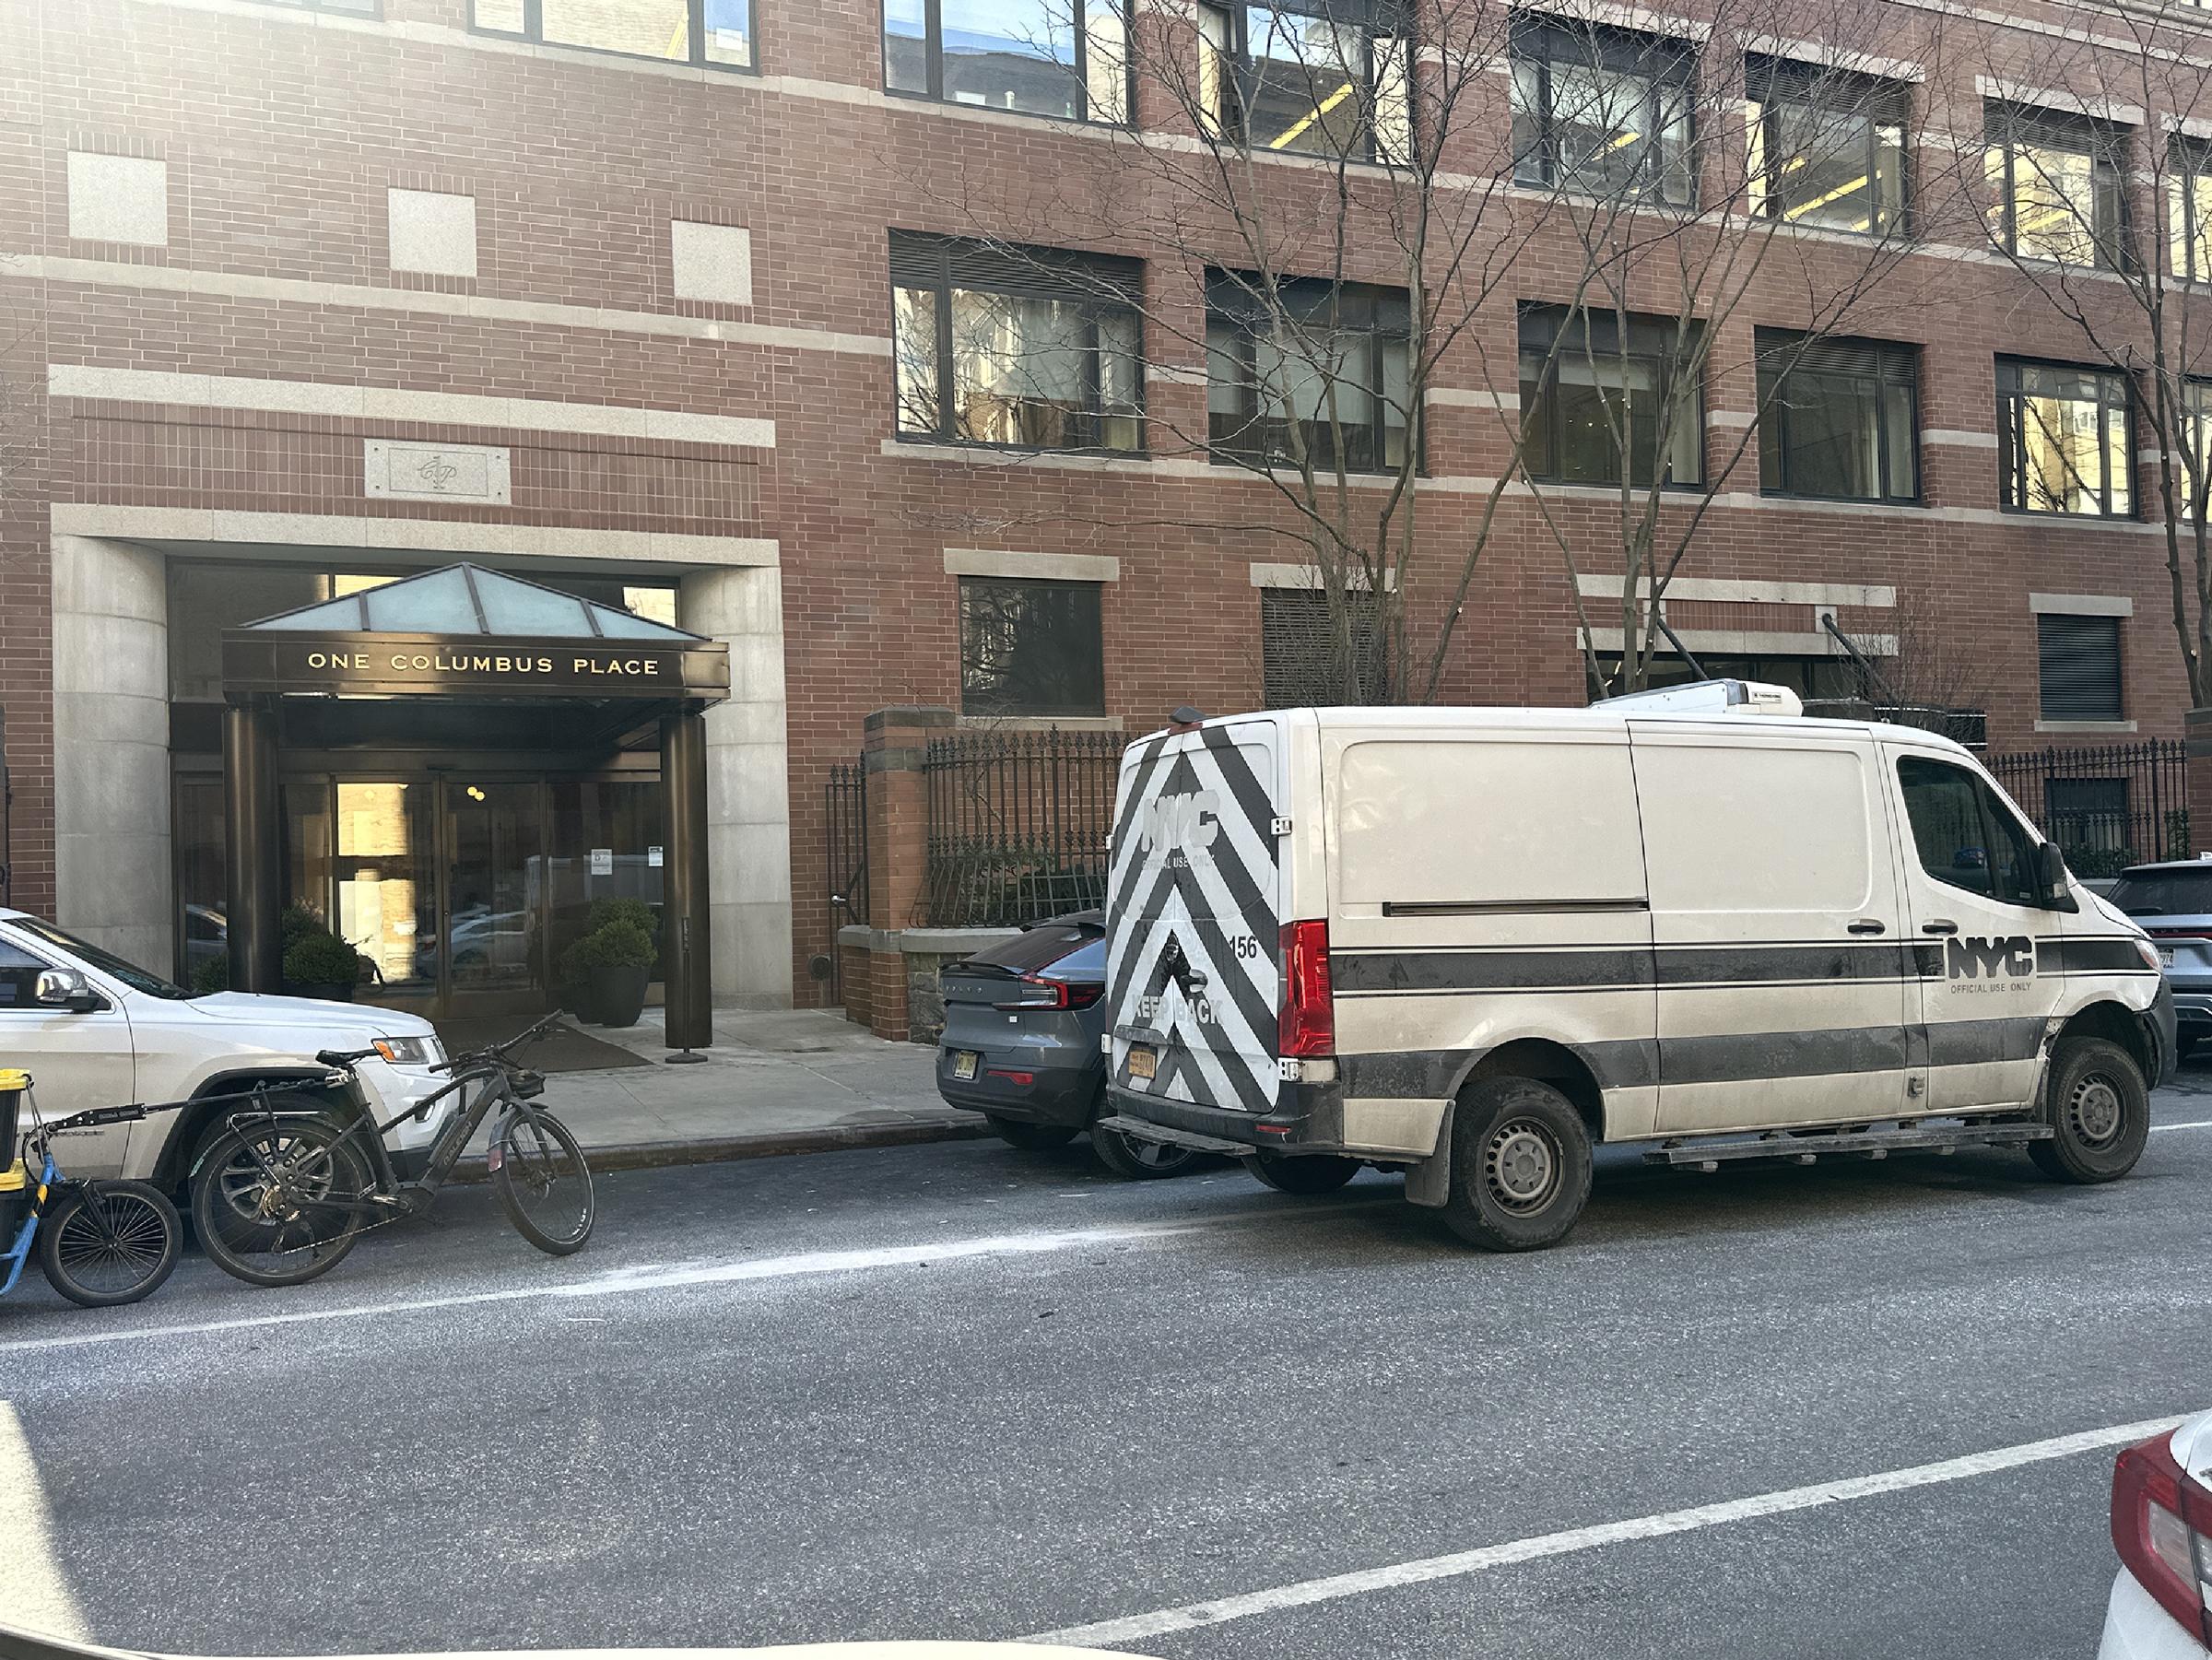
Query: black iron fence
[845, 801]
[1017, 825]
[2106, 807]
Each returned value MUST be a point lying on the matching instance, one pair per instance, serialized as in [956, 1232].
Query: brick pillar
[893, 745]
[2200, 780]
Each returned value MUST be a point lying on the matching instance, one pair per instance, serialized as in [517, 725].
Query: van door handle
[1867, 925]
[1940, 924]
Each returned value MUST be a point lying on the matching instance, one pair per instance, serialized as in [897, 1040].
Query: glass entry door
[463, 891]
[494, 900]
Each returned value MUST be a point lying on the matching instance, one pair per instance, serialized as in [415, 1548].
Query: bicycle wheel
[279, 1202]
[542, 1182]
[108, 1242]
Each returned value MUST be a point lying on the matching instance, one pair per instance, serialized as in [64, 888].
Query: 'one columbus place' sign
[465, 667]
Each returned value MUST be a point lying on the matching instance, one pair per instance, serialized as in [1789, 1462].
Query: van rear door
[1194, 916]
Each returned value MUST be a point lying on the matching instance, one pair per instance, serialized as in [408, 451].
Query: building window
[1602, 112]
[718, 33]
[1296, 670]
[2054, 182]
[1029, 347]
[1322, 370]
[1837, 419]
[1030, 648]
[1328, 77]
[2064, 438]
[1590, 394]
[2196, 472]
[1068, 58]
[2189, 209]
[2079, 660]
[1828, 147]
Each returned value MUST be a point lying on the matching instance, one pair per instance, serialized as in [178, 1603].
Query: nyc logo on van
[1974, 958]
[1181, 825]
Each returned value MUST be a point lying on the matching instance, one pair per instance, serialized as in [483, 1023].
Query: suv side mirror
[65, 988]
[2051, 877]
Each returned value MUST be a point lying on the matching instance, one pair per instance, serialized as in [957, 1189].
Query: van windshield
[107, 962]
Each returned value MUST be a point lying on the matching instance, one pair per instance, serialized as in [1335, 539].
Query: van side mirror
[65, 988]
[2051, 877]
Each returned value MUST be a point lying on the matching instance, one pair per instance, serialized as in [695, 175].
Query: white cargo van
[1471, 943]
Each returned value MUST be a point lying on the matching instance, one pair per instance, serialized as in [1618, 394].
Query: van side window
[19, 973]
[1965, 836]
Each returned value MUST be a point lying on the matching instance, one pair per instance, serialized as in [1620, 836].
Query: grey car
[2173, 903]
[1020, 1045]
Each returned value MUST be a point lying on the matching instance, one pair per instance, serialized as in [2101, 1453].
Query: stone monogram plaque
[477, 474]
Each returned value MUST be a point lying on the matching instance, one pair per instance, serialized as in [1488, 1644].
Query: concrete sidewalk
[776, 1081]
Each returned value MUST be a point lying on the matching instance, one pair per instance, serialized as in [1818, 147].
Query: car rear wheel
[1031, 1137]
[2096, 1102]
[1520, 1165]
[1314, 1174]
[1139, 1160]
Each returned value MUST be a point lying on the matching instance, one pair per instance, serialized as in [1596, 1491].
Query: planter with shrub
[605, 972]
[316, 962]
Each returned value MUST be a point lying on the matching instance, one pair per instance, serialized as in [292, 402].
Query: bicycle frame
[19, 1253]
[444, 1155]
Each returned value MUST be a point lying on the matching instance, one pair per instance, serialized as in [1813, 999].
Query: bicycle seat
[342, 1057]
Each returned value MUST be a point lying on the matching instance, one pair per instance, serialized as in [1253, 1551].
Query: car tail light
[2163, 1528]
[1307, 1025]
[2179, 933]
[1037, 992]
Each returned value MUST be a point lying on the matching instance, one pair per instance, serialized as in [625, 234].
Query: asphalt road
[961, 1390]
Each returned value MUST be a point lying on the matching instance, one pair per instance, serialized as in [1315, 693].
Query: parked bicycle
[99, 1244]
[281, 1196]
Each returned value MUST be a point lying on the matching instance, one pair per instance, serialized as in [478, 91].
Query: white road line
[34, 1594]
[669, 1276]
[1190, 1616]
[2195, 1123]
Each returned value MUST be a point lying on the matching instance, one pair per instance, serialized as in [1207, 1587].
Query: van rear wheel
[1520, 1165]
[2097, 1102]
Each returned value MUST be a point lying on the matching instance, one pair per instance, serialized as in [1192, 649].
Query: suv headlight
[410, 1052]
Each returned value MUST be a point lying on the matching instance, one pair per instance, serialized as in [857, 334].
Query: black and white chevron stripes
[1193, 916]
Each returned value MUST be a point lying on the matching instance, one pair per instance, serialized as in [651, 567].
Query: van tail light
[2163, 1528]
[1307, 1025]
[1037, 992]
[2179, 933]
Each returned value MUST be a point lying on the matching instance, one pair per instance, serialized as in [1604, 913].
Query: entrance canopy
[468, 633]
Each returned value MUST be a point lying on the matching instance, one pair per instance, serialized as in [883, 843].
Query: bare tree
[1691, 182]
[1325, 216]
[1335, 221]
[2093, 176]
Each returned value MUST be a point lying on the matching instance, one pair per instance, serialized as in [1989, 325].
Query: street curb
[773, 1144]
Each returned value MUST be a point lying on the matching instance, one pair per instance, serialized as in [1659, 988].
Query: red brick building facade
[265, 262]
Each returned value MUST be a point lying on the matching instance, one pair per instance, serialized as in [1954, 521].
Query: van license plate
[2165, 956]
[1143, 1060]
[964, 1062]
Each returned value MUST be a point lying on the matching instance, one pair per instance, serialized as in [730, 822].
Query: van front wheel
[2096, 1104]
[1520, 1165]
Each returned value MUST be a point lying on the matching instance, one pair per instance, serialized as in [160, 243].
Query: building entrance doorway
[449, 772]
[463, 891]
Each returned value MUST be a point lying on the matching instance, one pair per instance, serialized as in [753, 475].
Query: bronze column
[690, 991]
[255, 934]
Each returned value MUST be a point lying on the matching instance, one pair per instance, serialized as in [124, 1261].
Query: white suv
[94, 1031]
